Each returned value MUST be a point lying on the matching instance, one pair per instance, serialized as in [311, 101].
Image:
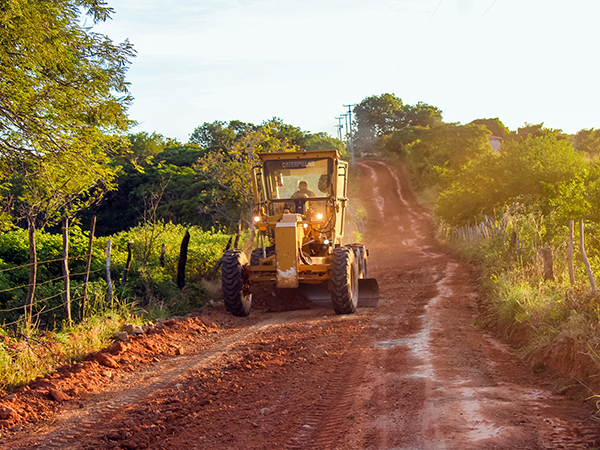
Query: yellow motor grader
[300, 207]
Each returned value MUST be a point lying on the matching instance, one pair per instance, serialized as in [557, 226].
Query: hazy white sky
[302, 60]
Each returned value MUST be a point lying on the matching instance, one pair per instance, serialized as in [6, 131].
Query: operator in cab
[303, 191]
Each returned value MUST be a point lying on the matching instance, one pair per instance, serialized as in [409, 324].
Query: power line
[489, 7]
[433, 13]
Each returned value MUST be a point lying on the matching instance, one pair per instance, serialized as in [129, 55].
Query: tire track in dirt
[459, 388]
[414, 373]
[67, 428]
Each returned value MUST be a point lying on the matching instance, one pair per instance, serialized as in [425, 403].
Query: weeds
[31, 350]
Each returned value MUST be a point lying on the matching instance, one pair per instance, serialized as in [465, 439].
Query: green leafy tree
[229, 171]
[437, 154]
[218, 134]
[495, 126]
[421, 115]
[63, 105]
[588, 141]
[522, 169]
[322, 141]
[537, 130]
[62, 87]
[138, 191]
[375, 116]
[144, 146]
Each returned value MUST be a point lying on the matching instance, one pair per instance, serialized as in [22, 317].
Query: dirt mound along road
[414, 373]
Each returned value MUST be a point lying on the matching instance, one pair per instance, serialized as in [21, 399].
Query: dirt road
[415, 373]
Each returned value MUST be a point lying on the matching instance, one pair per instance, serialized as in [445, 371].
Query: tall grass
[30, 350]
[515, 287]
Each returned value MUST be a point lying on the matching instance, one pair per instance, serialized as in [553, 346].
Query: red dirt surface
[414, 373]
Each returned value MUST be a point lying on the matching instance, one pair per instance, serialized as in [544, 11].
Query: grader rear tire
[361, 259]
[237, 295]
[343, 282]
[257, 254]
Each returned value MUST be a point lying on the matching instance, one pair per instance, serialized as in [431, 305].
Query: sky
[301, 61]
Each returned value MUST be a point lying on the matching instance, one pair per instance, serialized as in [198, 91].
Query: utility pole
[350, 131]
[339, 126]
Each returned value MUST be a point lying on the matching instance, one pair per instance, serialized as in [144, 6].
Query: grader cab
[300, 209]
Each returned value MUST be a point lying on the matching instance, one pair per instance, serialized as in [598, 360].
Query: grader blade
[368, 293]
[319, 294]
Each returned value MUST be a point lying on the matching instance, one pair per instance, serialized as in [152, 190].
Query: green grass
[27, 353]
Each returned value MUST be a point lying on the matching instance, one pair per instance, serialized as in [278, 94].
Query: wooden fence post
[88, 265]
[109, 292]
[32, 271]
[237, 237]
[127, 265]
[65, 269]
[182, 260]
[588, 268]
[570, 254]
[548, 262]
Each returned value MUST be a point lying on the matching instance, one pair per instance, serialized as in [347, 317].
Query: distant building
[495, 142]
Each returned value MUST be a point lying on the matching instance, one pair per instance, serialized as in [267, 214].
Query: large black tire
[237, 294]
[257, 254]
[360, 256]
[343, 282]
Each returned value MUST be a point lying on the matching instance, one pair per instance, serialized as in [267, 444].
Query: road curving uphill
[413, 373]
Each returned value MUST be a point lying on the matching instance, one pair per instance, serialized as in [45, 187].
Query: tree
[588, 141]
[229, 170]
[144, 146]
[375, 116]
[381, 115]
[59, 107]
[421, 115]
[437, 154]
[322, 141]
[62, 87]
[218, 133]
[495, 127]
[522, 169]
[537, 130]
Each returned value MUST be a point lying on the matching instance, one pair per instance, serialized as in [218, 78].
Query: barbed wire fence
[43, 302]
[491, 227]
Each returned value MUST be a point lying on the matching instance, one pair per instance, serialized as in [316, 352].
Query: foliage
[514, 284]
[143, 147]
[522, 169]
[27, 354]
[229, 170]
[323, 142]
[50, 187]
[587, 141]
[166, 183]
[60, 80]
[437, 155]
[529, 130]
[377, 116]
[147, 282]
[495, 126]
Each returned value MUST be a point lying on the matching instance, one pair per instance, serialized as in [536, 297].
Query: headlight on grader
[256, 219]
[319, 216]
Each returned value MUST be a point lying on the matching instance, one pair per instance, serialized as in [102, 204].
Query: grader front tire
[237, 295]
[343, 282]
